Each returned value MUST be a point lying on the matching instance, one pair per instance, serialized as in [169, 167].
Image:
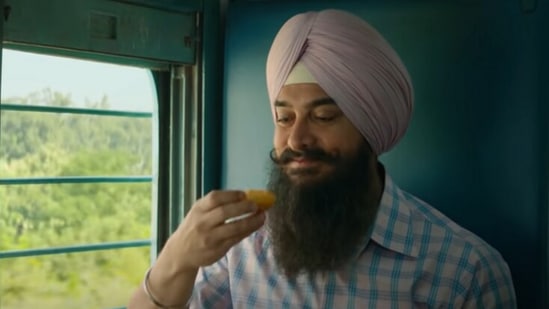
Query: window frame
[177, 166]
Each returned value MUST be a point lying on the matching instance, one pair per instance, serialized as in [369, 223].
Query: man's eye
[283, 120]
[324, 118]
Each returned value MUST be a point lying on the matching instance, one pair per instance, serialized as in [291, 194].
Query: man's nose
[301, 136]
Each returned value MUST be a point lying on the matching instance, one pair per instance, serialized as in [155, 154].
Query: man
[341, 234]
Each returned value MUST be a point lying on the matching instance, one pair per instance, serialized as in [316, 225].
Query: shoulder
[460, 256]
[410, 226]
[435, 232]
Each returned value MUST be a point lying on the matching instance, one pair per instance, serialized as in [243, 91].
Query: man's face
[308, 125]
[324, 177]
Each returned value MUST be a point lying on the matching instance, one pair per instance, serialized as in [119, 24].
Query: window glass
[75, 171]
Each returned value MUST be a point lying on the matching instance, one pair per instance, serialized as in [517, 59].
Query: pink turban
[354, 64]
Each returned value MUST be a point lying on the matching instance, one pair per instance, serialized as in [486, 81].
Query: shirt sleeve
[212, 287]
[492, 285]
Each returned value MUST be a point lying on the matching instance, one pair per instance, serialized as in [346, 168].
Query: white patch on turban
[300, 75]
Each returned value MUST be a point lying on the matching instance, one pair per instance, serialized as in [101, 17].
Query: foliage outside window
[45, 144]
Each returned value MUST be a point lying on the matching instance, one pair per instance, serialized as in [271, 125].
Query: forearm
[201, 240]
[167, 285]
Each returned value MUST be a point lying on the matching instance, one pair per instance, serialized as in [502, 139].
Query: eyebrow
[314, 103]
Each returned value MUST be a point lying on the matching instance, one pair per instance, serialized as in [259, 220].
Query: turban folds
[353, 64]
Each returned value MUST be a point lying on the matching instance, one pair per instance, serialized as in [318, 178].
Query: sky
[127, 88]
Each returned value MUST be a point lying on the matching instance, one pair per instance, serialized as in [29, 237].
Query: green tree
[37, 216]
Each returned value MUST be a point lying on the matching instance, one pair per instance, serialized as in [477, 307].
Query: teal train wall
[478, 145]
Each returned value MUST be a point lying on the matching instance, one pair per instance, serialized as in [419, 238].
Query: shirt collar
[393, 227]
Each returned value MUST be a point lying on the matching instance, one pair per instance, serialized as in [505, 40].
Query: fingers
[221, 238]
[222, 214]
[239, 229]
[217, 198]
[204, 236]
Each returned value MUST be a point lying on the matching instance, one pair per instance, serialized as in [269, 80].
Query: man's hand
[200, 240]
[204, 237]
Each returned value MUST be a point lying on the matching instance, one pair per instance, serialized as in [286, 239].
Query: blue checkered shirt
[415, 257]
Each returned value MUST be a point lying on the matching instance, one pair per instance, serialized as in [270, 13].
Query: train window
[76, 157]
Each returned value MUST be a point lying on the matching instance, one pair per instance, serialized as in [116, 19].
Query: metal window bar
[74, 179]
[72, 110]
[73, 249]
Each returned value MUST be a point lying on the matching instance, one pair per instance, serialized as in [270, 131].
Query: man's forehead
[321, 101]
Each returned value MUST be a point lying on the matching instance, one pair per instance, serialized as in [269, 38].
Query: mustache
[313, 154]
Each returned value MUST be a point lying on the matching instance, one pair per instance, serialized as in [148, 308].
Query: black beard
[318, 226]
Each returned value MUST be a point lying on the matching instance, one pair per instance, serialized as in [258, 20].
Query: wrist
[168, 269]
[155, 300]
[166, 288]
